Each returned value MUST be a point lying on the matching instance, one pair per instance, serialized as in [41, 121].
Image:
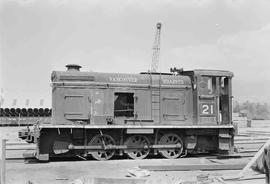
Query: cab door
[207, 100]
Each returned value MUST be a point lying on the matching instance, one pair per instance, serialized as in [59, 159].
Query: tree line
[252, 110]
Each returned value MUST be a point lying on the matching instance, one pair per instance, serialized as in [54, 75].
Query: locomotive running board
[125, 147]
[134, 126]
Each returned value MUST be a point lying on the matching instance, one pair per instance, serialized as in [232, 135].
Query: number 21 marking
[206, 109]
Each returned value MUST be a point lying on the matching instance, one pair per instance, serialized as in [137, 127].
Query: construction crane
[156, 49]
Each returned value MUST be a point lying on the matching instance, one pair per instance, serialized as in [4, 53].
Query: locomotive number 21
[207, 109]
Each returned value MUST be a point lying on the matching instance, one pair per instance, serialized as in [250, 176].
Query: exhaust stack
[73, 67]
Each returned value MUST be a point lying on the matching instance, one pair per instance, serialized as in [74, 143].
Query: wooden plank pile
[191, 167]
[97, 180]
[250, 141]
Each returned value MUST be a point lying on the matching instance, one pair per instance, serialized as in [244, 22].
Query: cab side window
[208, 84]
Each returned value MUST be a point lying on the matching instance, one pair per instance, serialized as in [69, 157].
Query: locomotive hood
[119, 78]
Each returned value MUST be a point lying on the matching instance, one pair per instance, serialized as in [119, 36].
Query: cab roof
[205, 72]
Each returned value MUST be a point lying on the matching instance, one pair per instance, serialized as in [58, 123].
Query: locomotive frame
[103, 115]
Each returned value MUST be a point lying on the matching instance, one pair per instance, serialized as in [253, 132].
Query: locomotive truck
[107, 114]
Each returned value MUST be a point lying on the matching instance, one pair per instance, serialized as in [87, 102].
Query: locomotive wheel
[102, 140]
[137, 141]
[168, 139]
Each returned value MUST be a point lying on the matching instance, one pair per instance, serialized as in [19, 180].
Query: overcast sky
[39, 36]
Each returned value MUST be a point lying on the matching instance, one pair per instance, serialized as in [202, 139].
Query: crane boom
[156, 49]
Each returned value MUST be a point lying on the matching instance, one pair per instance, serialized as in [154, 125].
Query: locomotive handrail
[124, 110]
[101, 84]
[65, 96]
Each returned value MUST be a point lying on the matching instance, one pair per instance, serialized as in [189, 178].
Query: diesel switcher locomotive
[107, 114]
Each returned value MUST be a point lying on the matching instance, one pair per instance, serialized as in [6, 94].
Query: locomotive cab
[212, 94]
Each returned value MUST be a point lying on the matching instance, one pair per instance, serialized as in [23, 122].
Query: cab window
[208, 84]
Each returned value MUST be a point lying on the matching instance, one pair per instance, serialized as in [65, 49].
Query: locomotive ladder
[155, 99]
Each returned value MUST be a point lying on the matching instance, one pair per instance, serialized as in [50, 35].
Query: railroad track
[247, 144]
[246, 148]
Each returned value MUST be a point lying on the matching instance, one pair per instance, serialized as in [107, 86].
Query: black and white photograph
[134, 92]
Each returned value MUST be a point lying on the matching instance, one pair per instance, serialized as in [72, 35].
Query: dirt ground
[60, 172]
[66, 171]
